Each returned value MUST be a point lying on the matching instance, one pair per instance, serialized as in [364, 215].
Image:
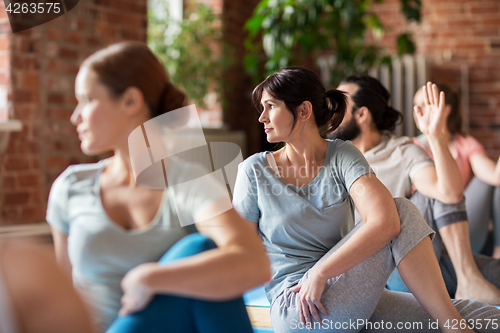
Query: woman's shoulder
[339, 144]
[465, 139]
[468, 145]
[338, 148]
[78, 173]
[253, 162]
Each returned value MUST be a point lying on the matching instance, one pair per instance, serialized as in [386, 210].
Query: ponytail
[334, 112]
[171, 98]
[389, 120]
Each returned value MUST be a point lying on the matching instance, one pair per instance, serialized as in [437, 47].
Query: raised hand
[431, 118]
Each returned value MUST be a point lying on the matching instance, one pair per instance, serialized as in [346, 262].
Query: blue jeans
[179, 314]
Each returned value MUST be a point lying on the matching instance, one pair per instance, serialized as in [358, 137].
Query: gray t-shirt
[298, 225]
[396, 161]
[101, 252]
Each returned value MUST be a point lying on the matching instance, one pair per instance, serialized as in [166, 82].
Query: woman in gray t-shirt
[110, 233]
[302, 198]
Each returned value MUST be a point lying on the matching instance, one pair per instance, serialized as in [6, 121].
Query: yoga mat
[256, 297]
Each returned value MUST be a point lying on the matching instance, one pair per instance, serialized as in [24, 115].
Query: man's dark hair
[374, 96]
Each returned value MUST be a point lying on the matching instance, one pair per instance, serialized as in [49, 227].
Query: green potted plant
[296, 31]
[191, 51]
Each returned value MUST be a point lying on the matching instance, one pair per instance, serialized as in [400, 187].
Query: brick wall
[4, 62]
[40, 68]
[454, 32]
[239, 111]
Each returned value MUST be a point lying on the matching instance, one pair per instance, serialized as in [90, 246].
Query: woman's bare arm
[442, 181]
[238, 264]
[378, 210]
[43, 297]
[486, 169]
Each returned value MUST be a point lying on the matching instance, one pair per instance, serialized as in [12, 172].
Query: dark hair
[293, 86]
[375, 97]
[454, 121]
[126, 64]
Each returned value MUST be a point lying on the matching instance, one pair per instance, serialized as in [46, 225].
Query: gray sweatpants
[438, 215]
[482, 203]
[357, 296]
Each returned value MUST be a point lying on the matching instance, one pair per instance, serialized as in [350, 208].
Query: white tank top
[7, 318]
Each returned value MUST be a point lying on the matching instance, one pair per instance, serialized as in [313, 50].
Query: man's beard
[349, 131]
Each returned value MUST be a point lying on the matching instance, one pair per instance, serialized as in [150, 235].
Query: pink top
[462, 150]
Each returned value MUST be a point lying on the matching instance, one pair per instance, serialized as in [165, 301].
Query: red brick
[67, 129]
[24, 112]
[481, 7]
[22, 96]
[491, 22]
[453, 9]
[68, 53]
[53, 65]
[33, 214]
[36, 197]
[9, 182]
[66, 145]
[460, 22]
[29, 147]
[35, 165]
[471, 45]
[55, 98]
[94, 41]
[78, 24]
[56, 162]
[486, 32]
[16, 198]
[495, 45]
[73, 37]
[27, 181]
[9, 214]
[72, 69]
[106, 3]
[30, 80]
[53, 33]
[59, 113]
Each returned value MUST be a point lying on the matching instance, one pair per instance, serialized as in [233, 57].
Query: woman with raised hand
[302, 196]
[480, 174]
[110, 233]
